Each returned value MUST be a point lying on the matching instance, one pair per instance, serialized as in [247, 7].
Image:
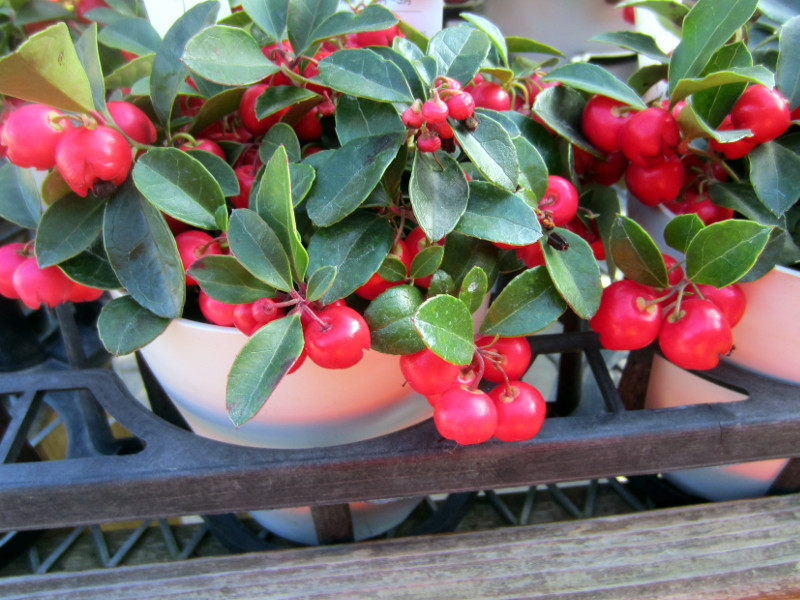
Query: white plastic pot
[765, 341]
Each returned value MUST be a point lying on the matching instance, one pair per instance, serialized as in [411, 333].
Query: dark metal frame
[174, 472]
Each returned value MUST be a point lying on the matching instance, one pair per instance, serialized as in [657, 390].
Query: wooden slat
[743, 549]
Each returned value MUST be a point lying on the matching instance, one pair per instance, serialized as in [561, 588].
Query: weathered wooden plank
[741, 549]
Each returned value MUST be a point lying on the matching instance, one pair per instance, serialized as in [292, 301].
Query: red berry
[532, 255]
[491, 95]
[656, 184]
[84, 6]
[763, 111]
[207, 145]
[520, 409]
[602, 120]
[434, 110]
[383, 37]
[428, 142]
[560, 200]
[461, 105]
[31, 134]
[84, 293]
[244, 320]
[591, 234]
[133, 121]
[696, 335]
[649, 136]
[732, 150]
[427, 373]
[216, 312]
[337, 338]
[702, 206]
[309, 128]
[35, 286]
[245, 175]
[195, 244]
[247, 111]
[605, 171]
[730, 300]
[504, 359]
[628, 318]
[465, 415]
[11, 256]
[412, 116]
[86, 157]
[266, 310]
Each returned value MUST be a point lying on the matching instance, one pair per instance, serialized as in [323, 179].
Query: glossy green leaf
[259, 249]
[517, 44]
[707, 26]
[775, 174]
[124, 326]
[363, 73]
[67, 228]
[216, 108]
[561, 108]
[143, 254]
[636, 254]
[426, 261]
[445, 325]
[273, 99]
[723, 252]
[644, 78]
[30, 12]
[274, 205]
[129, 73]
[169, 71]
[639, 42]
[302, 177]
[220, 170]
[441, 283]
[345, 180]
[529, 303]
[491, 150]
[575, 273]
[320, 282]
[393, 269]
[459, 51]
[788, 68]
[45, 68]
[742, 198]
[133, 34]
[223, 278]
[89, 56]
[462, 252]
[474, 288]
[713, 104]
[305, 16]
[227, 55]
[490, 29]
[260, 365]
[389, 320]
[19, 196]
[356, 246]
[680, 231]
[373, 17]
[533, 170]
[270, 16]
[742, 75]
[280, 135]
[541, 139]
[182, 187]
[417, 73]
[604, 202]
[497, 215]
[439, 196]
[594, 79]
[91, 268]
[360, 117]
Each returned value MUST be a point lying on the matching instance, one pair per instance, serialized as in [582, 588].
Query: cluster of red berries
[513, 410]
[429, 119]
[692, 322]
[22, 278]
[658, 164]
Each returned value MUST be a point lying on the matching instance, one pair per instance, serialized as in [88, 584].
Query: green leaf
[561, 108]
[775, 174]
[533, 170]
[721, 253]
[224, 278]
[490, 29]
[474, 288]
[742, 198]
[143, 254]
[364, 73]
[373, 17]
[529, 303]
[462, 252]
[133, 34]
[274, 205]
[742, 75]
[393, 269]
[302, 177]
[680, 231]
[604, 202]
[169, 71]
[19, 196]
[320, 282]
[261, 364]
[124, 326]
[426, 261]
[88, 54]
[636, 254]
[356, 246]
[439, 196]
[45, 69]
[788, 69]
[220, 170]
[389, 320]
[445, 325]
[67, 228]
[707, 26]
[345, 180]
[541, 139]
[459, 51]
[360, 117]
[305, 16]
[227, 55]
[216, 108]
[594, 79]
[91, 268]
[270, 16]
[273, 99]
[715, 103]
[36, 12]
[129, 73]
[280, 135]
[259, 249]
[498, 215]
[641, 43]
[491, 150]
[575, 273]
[416, 73]
[646, 77]
[182, 187]
[441, 283]
[516, 44]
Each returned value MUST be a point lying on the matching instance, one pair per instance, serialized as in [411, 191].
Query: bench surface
[741, 549]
